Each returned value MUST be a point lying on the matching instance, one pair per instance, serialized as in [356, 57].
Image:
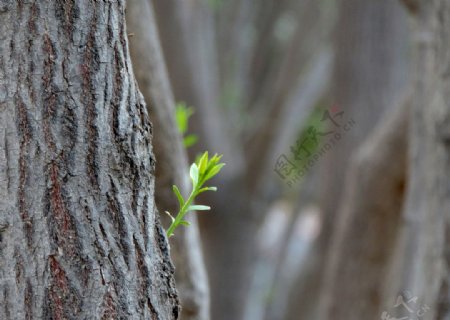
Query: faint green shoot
[215, 4]
[202, 170]
[182, 115]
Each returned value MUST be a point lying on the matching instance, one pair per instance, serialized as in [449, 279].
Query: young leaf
[185, 223]
[198, 207]
[194, 174]
[207, 189]
[178, 194]
[215, 159]
[200, 171]
[214, 171]
[203, 162]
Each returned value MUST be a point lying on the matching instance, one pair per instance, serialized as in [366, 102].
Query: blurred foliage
[182, 115]
[215, 4]
[311, 133]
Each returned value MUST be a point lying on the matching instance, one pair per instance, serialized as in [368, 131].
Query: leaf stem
[182, 213]
[200, 171]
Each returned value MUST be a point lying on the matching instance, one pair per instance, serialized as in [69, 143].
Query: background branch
[171, 166]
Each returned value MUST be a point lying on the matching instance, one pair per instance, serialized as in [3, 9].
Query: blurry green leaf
[215, 4]
[190, 140]
[182, 115]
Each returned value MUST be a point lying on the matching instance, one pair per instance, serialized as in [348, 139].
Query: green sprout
[200, 172]
[182, 115]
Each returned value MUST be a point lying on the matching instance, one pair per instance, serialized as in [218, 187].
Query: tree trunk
[241, 205]
[422, 253]
[370, 43]
[184, 28]
[171, 167]
[80, 238]
[369, 219]
[369, 77]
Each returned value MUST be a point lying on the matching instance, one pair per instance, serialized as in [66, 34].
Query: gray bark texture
[79, 233]
[171, 167]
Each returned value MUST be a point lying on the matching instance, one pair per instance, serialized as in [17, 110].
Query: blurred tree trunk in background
[240, 79]
[422, 264]
[80, 237]
[371, 41]
[241, 64]
[369, 216]
[184, 37]
[171, 158]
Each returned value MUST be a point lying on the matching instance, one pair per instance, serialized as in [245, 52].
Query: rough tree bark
[171, 167]
[80, 238]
